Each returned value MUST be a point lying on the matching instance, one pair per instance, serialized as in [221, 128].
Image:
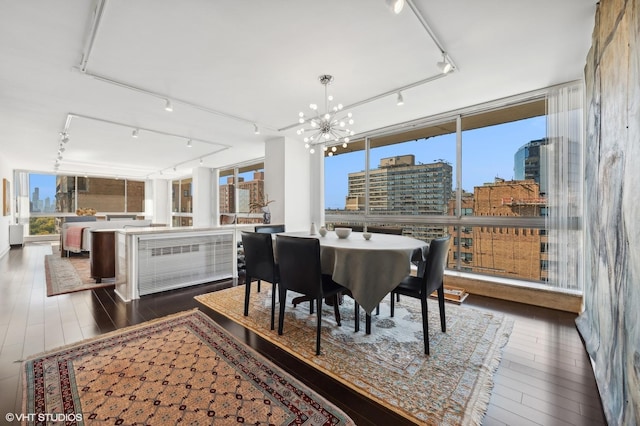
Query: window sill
[516, 291]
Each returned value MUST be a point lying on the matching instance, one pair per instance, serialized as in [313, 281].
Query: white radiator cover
[16, 235]
[168, 262]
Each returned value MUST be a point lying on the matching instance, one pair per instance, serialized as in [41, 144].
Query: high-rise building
[35, 200]
[399, 186]
[529, 162]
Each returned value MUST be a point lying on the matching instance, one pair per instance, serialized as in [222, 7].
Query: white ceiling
[227, 64]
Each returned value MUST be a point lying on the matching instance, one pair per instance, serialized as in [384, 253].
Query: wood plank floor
[544, 378]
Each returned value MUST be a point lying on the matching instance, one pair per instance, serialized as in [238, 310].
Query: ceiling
[100, 69]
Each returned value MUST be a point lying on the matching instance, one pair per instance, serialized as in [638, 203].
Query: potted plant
[262, 205]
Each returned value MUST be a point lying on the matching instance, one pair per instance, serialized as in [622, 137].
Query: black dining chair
[269, 229]
[420, 287]
[260, 265]
[300, 271]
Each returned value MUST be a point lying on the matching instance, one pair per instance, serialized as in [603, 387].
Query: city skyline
[46, 185]
[488, 152]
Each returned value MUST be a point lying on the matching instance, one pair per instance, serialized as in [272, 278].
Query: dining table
[369, 269]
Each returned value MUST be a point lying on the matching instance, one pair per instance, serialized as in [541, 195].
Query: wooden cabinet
[102, 257]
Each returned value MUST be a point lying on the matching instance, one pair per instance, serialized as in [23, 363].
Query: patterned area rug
[452, 386]
[67, 275]
[182, 369]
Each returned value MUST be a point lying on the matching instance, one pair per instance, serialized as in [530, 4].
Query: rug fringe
[481, 403]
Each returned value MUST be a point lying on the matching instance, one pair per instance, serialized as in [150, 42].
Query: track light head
[256, 129]
[134, 134]
[168, 106]
[189, 144]
[396, 6]
[444, 65]
[400, 99]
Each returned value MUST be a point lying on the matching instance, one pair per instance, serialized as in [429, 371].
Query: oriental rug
[68, 275]
[181, 369]
[452, 386]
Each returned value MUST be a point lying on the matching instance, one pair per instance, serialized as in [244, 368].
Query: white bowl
[366, 235]
[343, 232]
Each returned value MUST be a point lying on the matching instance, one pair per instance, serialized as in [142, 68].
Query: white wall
[5, 221]
[287, 181]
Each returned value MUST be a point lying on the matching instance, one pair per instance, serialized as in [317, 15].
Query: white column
[202, 197]
[215, 196]
[157, 203]
[316, 161]
[287, 181]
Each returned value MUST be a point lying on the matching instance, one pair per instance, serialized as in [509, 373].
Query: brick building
[502, 251]
[249, 192]
[101, 194]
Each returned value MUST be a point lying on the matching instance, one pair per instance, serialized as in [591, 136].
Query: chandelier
[325, 128]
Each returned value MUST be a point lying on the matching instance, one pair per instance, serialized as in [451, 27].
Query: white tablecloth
[370, 269]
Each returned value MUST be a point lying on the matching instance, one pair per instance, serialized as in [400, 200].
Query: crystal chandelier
[330, 127]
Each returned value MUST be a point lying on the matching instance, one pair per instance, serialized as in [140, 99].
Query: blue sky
[46, 183]
[487, 153]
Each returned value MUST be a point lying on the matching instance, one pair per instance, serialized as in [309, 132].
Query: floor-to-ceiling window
[480, 174]
[241, 191]
[182, 202]
[44, 199]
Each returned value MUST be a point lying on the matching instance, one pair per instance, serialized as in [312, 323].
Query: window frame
[464, 220]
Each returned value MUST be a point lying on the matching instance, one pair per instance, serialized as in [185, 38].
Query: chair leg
[258, 286]
[311, 307]
[393, 304]
[378, 309]
[367, 326]
[247, 293]
[425, 323]
[282, 293]
[273, 305]
[336, 309]
[443, 322]
[319, 324]
[356, 310]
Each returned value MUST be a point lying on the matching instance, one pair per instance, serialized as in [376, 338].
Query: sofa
[76, 236]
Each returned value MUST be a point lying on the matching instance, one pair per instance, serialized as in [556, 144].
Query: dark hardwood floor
[544, 378]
